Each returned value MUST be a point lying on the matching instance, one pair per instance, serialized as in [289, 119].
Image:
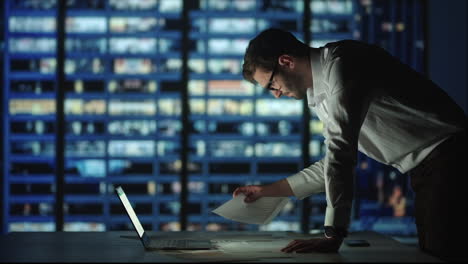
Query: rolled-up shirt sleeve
[308, 181]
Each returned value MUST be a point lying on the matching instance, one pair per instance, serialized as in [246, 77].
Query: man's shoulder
[354, 51]
[348, 45]
[348, 42]
[350, 59]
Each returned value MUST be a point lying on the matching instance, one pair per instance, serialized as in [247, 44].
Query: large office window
[122, 85]
[123, 111]
[29, 104]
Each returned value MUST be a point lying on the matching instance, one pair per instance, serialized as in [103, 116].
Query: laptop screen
[130, 212]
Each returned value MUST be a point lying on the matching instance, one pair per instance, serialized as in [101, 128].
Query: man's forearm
[278, 188]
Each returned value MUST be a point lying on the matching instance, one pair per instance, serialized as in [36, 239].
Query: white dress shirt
[371, 102]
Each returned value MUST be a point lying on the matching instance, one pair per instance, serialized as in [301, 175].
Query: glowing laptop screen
[130, 212]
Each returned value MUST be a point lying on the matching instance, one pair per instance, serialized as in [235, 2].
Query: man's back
[407, 114]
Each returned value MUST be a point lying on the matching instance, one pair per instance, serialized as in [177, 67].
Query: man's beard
[295, 83]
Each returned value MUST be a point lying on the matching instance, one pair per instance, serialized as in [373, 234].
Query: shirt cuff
[338, 217]
[299, 185]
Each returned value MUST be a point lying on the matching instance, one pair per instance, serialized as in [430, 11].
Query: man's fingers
[293, 248]
[240, 190]
[306, 249]
[290, 246]
[251, 193]
[300, 246]
[236, 192]
[249, 197]
[308, 246]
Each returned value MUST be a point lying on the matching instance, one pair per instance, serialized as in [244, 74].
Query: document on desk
[260, 212]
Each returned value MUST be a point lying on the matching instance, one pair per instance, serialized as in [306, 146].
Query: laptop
[151, 244]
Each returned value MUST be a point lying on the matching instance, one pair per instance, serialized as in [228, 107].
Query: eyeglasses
[270, 82]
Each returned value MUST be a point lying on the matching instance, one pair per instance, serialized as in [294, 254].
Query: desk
[123, 246]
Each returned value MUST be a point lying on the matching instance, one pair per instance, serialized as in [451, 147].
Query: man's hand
[323, 245]
[251, 192]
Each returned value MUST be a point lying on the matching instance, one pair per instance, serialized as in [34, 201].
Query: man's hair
[264, 50]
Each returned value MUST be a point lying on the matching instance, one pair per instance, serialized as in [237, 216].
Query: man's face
[286, 81]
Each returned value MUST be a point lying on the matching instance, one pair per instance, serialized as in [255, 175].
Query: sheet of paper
[260, 212]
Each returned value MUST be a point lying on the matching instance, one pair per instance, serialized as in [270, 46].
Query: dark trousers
[440, 186]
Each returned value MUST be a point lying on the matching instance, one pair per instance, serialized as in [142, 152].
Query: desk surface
[123, 246]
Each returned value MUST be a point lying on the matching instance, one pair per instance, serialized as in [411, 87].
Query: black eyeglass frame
[270, 82]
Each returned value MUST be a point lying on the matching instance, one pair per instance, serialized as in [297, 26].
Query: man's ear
[286, 61]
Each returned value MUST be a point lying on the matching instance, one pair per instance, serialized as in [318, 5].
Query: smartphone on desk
[357, 243]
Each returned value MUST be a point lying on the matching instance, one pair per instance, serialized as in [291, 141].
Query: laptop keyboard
[170, 243]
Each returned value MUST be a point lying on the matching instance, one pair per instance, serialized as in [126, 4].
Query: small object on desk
[357, 243]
